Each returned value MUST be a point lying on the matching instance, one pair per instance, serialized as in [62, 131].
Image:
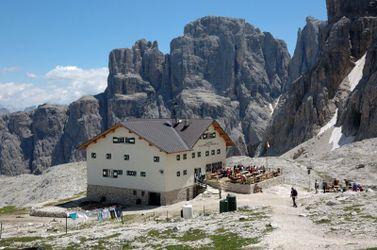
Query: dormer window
[105, 172]
[108, 156]
[205, 136]
[118, 139]
[130, 140]
[212, 135]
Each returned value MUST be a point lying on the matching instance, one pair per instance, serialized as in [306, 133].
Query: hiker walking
[294, 196]
[316, 186]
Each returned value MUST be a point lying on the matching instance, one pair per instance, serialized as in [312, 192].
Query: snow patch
[356, 74]
[352, 79]
[272, 106]
[338, 139]
[330, 124]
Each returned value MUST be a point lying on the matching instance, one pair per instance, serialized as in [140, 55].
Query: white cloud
[31, 75]
[9, 70]
[61, 85]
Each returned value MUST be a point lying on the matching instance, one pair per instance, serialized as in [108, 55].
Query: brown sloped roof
[167, 135]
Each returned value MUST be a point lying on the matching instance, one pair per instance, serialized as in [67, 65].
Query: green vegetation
[222, 240]
[231, 241]
[354, 208]
[193, 235]
[111, 236]
[9, 241]
[66, 200]
[12, 210]
[323, 221]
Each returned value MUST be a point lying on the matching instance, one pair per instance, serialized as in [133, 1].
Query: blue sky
[77, 35]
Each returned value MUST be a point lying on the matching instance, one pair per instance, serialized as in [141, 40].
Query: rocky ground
[59, 182]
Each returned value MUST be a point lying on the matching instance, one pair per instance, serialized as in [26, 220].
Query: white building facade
[153, 161]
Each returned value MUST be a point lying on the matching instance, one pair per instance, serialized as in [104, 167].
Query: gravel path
[295, 230]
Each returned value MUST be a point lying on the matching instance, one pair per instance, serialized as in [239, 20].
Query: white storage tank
[187, 211]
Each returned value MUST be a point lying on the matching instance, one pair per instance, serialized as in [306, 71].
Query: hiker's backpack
[294, 192]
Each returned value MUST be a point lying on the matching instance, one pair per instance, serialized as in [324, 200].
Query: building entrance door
[154, 199]
[197, 173]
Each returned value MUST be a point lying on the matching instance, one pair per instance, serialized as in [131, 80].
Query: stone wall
[117, 195]
[245, 188]
[127, 197]
[177, 195]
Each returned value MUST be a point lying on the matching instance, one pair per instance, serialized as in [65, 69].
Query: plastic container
[224, 206]
[187, 211]
[232, 202]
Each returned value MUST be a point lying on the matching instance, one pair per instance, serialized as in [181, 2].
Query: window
[126, 157]
[131, 173]
[207, 153]
[184, 172]
[193, 155]
[143, 174]
[118, 139]
[178, 173]
[142, 193]
[178, 157]
[218, 151]
[93, 155]
[130, 140]
[184, 156]
[156, 158]
[135, 192]
[213, 152]
[105, 172]
[115, 173]
[108, 156]
[199, 154]
[212, 135]
[205, 136]
[208, 167]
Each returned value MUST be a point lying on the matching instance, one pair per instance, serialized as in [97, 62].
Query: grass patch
[369, 217]
[355, 208]
[12, 210]
[231, 241]
[111, 236]
[65, 200]
[253, 215]
[26, 239]
[193, 235]
[323, 221]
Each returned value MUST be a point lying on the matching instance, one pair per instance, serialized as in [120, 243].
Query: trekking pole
[1, 228]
